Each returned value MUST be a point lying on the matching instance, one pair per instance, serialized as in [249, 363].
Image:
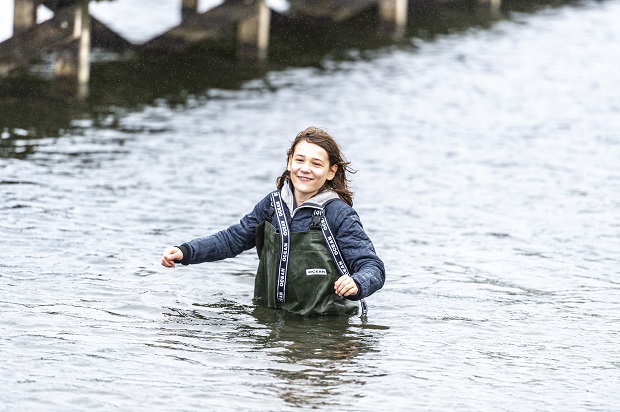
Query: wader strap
[285, 245]
[330, 241]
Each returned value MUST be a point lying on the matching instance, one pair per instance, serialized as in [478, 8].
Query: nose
[305, 168]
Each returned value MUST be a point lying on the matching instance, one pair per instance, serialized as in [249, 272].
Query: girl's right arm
[221, 245]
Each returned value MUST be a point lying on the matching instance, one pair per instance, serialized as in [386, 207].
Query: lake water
[488, 179]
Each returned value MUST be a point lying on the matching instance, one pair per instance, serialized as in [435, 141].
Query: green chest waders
[297, 271]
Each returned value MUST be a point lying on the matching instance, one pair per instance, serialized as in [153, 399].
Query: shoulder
[337, 206]
[338, 212]
[266, 201]
[263, 207]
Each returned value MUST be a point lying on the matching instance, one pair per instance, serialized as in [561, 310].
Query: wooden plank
[334, 10]
[104, 37]
[72, 68]
[24, 15]
[212, 24]
[29, 45]
[101, 35]
[253, 35]
[393, 16]
[492, 5]
[55, 5]
[188, 8]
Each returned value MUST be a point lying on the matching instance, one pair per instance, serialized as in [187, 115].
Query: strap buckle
[316, 219]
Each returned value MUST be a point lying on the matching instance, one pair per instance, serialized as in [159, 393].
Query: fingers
[171, 254]
[345, 286]
[167, 263]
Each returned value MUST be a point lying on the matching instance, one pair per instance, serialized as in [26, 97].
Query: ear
[288, 165]
[332, 172]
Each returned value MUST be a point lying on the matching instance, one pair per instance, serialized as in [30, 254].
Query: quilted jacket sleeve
[227, 243]
[367, 269]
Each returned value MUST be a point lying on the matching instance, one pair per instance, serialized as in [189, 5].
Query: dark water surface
[489, 181]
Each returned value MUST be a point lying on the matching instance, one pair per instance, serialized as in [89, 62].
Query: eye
[317, 164]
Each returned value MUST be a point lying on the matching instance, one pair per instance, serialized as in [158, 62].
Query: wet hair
[319, 137]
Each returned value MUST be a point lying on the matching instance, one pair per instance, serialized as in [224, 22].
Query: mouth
[304, 179]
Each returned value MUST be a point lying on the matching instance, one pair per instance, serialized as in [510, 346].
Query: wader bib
[297, 271]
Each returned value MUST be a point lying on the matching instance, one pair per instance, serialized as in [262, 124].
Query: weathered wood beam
[393, 15]
[55, 5]
[29, 45]
[490, 5]
[212, 24]
[104, 37]
[68, 33]
[24, 15]
[188, 8]
[101, 35]
[253, 34]
[334, 10]
[72, 68]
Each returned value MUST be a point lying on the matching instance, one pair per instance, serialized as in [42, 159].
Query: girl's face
[310, 169]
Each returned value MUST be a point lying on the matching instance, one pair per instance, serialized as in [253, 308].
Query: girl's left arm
[367, 269]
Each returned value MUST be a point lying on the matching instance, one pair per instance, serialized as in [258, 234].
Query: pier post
[24, 15]
[393, 16]
[253, 33]
[72, 68]
[490, 5]
[188, 8]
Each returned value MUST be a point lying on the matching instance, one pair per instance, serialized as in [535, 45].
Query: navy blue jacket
[366, 269]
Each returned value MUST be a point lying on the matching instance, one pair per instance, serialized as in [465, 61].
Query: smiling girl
[314, 255]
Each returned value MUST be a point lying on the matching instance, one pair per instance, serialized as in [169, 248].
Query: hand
[345, 286]
[170, 255]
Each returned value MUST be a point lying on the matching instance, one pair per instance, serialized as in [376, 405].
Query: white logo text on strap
[316, 272]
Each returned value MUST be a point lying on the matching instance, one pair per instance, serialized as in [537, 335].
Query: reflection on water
[318, 355]
[30, 108]
[311, 358]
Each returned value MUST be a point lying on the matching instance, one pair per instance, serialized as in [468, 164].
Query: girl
[314, 256]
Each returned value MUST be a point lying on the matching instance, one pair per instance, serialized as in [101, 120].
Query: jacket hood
[320, 198]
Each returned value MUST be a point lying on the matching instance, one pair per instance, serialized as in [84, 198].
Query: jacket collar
[319, 199]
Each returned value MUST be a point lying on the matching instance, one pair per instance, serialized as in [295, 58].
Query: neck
[301, 198]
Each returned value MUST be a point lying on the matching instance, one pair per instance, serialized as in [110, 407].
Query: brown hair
[319, 137]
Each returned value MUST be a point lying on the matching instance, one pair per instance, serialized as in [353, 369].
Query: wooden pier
[73, 32]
